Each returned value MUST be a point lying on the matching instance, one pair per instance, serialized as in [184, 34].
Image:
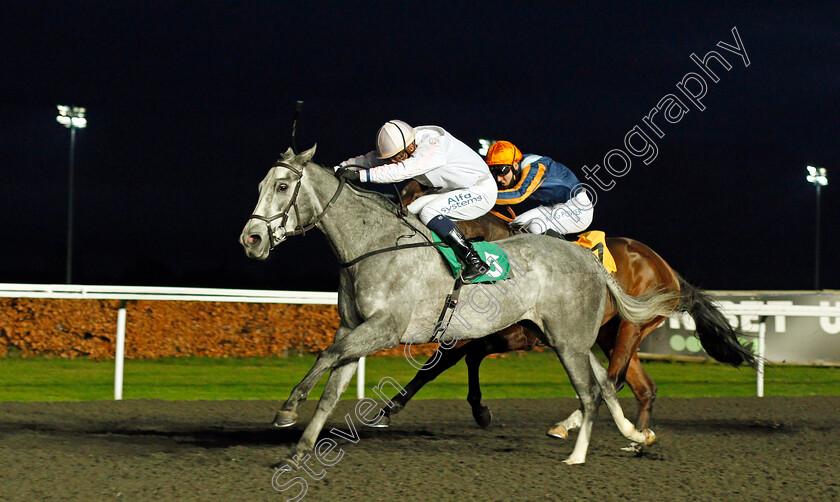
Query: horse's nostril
[254, 239]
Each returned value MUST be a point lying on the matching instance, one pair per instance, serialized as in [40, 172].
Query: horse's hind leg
[624, 345]
[607, 335]
[643, 388]
[626, 367]
[583, 379]
[608, 392]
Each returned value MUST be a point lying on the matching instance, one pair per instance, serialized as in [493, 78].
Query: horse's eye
[281, 187]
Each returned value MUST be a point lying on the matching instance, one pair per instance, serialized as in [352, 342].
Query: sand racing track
[768, 448]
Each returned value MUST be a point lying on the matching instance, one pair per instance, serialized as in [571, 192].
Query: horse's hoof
[572, 460]
[650, 437]
[482, 416]
[299, 455]
[284, 464]
[393, 409]
[558, 431]
[285, 418]
[383, 422]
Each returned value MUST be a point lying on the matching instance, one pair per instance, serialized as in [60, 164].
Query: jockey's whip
[298, 106]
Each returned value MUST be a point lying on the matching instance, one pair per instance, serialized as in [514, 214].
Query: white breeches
[459, 205]
[570, 217]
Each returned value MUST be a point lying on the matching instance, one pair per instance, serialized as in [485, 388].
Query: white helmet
[392, 138]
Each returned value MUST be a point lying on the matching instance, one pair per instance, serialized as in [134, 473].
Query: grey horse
[393, 296]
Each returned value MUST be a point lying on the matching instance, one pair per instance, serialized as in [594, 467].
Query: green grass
[517, 375]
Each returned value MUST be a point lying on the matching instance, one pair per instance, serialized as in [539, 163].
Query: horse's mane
[378, 198]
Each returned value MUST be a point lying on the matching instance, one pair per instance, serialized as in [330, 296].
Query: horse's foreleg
[512, 338]
[349, 346]
[287, 415]
[643, 388]
[336, 385]
[478, 351]
[440, 361]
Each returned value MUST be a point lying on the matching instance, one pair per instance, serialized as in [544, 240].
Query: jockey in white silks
[432, 156]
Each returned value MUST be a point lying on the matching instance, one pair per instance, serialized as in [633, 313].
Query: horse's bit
[283, 215]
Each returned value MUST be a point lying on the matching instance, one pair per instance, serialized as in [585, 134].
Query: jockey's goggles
[500, 169]
[404, 154]
[399, 157]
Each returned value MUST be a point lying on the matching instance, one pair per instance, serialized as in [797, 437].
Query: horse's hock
[87, 328]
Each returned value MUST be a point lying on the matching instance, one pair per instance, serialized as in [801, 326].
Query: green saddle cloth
[491, 253]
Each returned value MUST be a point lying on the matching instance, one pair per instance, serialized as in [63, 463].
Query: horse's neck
[357, 223]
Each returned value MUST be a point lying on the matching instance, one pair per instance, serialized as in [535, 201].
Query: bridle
[283, 216]
[274, 239]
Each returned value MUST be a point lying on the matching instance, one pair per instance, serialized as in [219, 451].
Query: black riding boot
[473, 265]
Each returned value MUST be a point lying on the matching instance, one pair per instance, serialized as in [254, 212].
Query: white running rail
[65, 291]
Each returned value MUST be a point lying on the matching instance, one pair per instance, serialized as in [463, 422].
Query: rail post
[759, 378]
[360, 379]
[120, 352]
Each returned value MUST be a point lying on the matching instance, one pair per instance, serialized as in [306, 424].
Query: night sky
[189, 105]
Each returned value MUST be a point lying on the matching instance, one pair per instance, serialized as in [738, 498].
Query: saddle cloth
[595, 240]
[491, 253]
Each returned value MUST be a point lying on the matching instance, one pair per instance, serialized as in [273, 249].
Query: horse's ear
[289, 153]
[306, 156]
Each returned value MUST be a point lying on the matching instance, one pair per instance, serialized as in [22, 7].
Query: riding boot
[473, 265]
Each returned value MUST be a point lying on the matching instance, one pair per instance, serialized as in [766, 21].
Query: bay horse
[393, 295]
[640, 270]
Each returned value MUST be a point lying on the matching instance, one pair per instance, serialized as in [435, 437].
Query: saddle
[596, 241]
[491, 253]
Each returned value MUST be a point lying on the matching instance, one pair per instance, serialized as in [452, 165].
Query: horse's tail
[718, 338]
[641, 309]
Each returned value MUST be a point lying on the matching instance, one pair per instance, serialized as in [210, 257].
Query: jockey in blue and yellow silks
[537, 193]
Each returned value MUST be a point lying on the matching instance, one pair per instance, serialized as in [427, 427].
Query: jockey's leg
[474, 266]
[572, 216]
[468, 203]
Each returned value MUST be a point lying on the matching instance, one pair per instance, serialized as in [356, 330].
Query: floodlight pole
[817, 243]
[818, 177]
[73, 118]
[69, 262]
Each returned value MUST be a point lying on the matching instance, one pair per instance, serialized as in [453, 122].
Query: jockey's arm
[532, 177]
[427, 156]
[367, 160]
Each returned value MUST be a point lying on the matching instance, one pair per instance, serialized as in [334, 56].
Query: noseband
[283, 215]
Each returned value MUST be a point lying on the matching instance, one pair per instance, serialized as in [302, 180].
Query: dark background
[189, 105]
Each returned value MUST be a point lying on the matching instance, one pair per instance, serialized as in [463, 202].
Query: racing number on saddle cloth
[491, 253]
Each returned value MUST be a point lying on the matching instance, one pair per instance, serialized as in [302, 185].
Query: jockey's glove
[347, 173]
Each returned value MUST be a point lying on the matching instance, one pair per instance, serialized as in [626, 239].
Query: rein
[392, 248]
